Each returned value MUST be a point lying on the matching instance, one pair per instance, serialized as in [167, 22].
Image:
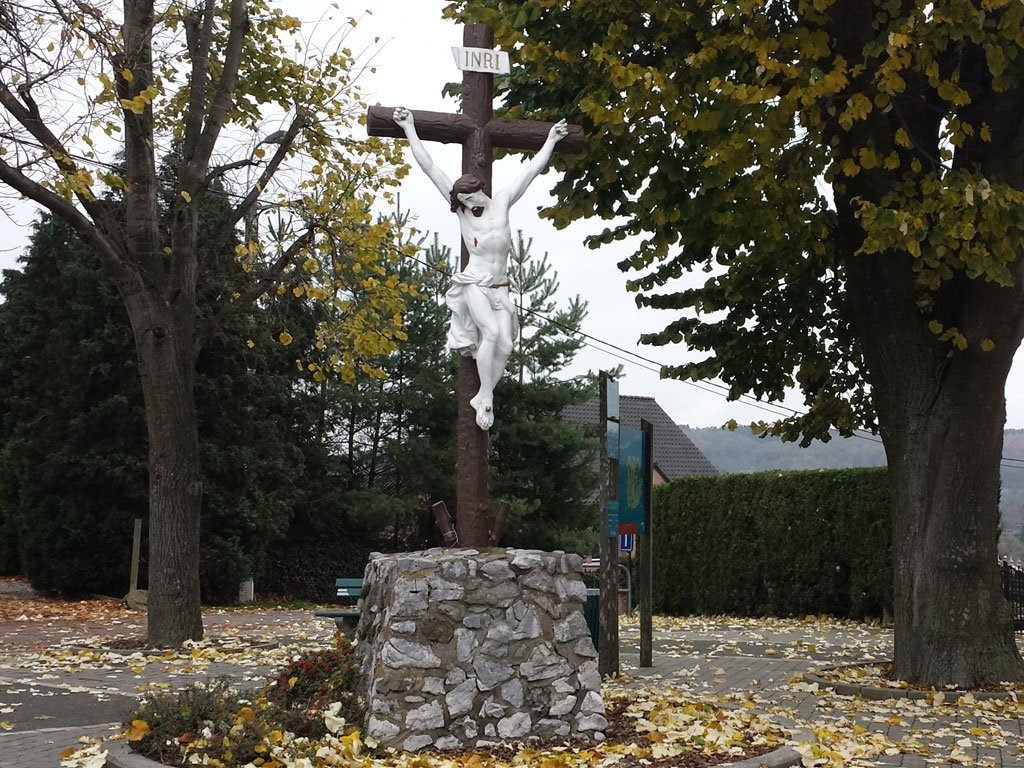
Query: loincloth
[463, 334]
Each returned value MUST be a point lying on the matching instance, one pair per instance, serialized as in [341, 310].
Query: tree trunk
[941, 414]
[952, 624]
[166, 365]
[378, 418]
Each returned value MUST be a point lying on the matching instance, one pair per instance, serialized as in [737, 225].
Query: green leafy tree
[206, 77]
[401, 431]
[396, 437]
[383, 449]
[850, 176]
[325, 537]
[424, 400]
[543, 465]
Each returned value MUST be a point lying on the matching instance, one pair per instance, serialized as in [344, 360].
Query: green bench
[345, 618]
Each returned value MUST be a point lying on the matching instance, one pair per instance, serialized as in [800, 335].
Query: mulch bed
[125, 644]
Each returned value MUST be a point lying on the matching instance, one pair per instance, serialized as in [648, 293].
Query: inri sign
[481, 60]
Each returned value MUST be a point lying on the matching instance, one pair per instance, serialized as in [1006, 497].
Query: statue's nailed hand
[403, 117]
[558, 131]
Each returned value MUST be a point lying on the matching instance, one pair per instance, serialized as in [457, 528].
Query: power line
[645, 363]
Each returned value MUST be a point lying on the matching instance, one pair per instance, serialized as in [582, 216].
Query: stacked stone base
[464, 648]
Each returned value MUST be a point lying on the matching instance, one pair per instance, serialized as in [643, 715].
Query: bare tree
[77, 76]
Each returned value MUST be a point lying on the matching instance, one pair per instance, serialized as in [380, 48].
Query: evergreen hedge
[307, 569]
[774, 543]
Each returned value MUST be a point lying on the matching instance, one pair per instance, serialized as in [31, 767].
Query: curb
[161, 651]
[875, 693]
[119, 755]
[780, 758]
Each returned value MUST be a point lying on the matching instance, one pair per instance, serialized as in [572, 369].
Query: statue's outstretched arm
[403, 117]
[537, 163]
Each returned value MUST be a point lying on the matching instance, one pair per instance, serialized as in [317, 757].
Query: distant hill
[741, 451]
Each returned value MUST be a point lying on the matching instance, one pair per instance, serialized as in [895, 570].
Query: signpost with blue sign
[626, 471]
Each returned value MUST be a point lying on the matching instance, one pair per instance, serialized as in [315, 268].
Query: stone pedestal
[467, 648]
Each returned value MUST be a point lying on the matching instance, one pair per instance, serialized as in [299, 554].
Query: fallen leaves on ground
[879, 675]
[650, 729]
[98, 610]
[826, 728]
[90, 754]
[736, 668]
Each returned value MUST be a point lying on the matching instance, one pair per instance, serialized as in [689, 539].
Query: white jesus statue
[484, 322]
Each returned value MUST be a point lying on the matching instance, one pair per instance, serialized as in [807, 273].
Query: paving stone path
[720, 658]
[52, 694]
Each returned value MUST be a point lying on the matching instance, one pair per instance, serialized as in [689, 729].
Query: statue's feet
[484, 408]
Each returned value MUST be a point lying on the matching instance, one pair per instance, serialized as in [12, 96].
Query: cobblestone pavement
[52, 693]
[720, 658]
[58, 685]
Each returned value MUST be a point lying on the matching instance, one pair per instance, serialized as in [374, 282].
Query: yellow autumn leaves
[955, 222]
[137, 730]
[668, 723]
[315, 196]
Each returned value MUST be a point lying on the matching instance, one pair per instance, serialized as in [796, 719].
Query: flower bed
[305, 717]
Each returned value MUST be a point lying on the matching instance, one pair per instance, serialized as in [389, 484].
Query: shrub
[231, 728]
[304, 569]
[312, 682]
[166, 727]
[774, 543]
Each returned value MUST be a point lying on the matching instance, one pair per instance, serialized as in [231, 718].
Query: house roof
[675, 455]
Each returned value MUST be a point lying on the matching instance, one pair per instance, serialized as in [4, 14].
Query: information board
[632, 494]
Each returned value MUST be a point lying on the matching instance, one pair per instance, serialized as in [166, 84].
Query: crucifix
[479, 133]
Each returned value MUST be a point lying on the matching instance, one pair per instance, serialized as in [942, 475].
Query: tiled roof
[675, 455]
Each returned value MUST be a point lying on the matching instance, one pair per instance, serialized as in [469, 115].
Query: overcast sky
[413, 61]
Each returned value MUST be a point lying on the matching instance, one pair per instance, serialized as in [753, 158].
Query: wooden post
[136, 599]
[643, 552]
[501, 510]
[444, 524]
[133, 583]
[608, 490]
[471, 494]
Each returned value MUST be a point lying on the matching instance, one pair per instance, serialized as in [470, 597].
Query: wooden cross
[479, 132]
